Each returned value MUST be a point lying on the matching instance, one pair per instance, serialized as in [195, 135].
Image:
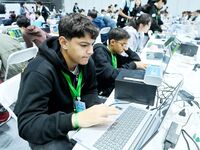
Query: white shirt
[135, 42]
[41, 19]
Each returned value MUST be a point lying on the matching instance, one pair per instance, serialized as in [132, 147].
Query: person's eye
[83, 45]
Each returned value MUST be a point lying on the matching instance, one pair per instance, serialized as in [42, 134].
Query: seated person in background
[154, 11]
[108, 60]
[12, 18]
[100, 21]
[31, 34]
[62, 77]
[8, 46]
[39, 17]
[136, 29]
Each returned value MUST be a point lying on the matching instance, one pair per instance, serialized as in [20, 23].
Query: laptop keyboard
[118, 134]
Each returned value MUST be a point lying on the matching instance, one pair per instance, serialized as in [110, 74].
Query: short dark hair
[118, 34]
[38, 13]
[92, 13]
[164, 1]
[142, 19]
[22, 21]
[76, 25]
[39, 2]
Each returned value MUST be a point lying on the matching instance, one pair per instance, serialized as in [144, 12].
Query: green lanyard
[114, 61]
[76, 93]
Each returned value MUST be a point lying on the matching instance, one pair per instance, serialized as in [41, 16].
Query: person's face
[137, 2]
[119, 46]
[38, 5]
[160, 4]
[145, 28]
[78, 50]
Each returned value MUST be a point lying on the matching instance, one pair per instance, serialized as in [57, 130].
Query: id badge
[80, 106]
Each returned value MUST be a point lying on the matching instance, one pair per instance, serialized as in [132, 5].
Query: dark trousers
[61, 144]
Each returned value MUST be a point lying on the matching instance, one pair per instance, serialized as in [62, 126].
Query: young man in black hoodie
[109, 61]
[58, 88]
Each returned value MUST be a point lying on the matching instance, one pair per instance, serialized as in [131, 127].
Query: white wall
[175, 6]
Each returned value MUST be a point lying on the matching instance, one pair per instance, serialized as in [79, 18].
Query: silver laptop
[127, 131]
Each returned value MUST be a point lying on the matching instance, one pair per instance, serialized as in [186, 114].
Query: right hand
[140, 65]
[97, 114]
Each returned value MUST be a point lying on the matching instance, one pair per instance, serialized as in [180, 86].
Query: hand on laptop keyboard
[97, 114]
[140, 65]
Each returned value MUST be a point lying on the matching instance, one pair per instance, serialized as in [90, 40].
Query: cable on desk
[167, 97]
[188, 146]
[167, 145]
[184, 132]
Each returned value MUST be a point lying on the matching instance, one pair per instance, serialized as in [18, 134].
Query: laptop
[154, 56]
[15, 33]
[128, 130]
[133, 128]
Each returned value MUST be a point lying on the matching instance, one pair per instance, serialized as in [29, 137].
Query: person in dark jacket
[76, 8]
[137, 9]
[109, 61]
[154, 11]
[58, 88]
[124, 12]
[43, 9]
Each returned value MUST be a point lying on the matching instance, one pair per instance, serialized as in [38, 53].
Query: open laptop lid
[172, 44]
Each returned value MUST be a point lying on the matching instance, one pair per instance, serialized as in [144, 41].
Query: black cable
[182, 130]
[188, 146]
[167, 97]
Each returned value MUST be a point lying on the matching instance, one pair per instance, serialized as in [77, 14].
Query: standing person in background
[43, 9]
[154, 11]
[136, 29]
[39, 17]
[63, 94]
[109, 61]
[23, 9]
[124, 12]
[76, 8]
[2, 8]
[137, 8]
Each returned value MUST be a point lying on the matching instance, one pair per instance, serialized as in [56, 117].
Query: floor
[9, 138]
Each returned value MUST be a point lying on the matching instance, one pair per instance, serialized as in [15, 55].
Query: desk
[180, 67]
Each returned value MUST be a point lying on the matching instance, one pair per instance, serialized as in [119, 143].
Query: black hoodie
[45, 106]
[104, 69]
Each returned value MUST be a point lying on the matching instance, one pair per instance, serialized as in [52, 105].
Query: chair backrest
[9, 93]
[103, 35]
[19, 57]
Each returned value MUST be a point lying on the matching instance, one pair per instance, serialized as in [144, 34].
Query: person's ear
[112, 42]
[63, 42]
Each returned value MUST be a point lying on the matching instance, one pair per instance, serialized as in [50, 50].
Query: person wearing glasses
[109, 61]
[58, 91]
